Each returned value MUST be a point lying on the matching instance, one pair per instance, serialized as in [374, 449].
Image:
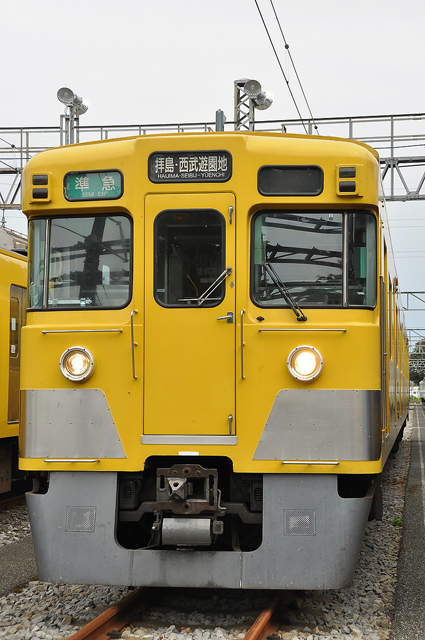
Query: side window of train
[89, 262]
[14, 326]
[16, 321]
[362, 259]
[323, 259]
[36, 253]
[189, 258]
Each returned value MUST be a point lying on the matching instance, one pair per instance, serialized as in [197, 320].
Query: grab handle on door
[133, 344]
[229, 317]
[230, 419]
[242, 344]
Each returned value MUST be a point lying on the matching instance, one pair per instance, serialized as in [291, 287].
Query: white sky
[147, 61]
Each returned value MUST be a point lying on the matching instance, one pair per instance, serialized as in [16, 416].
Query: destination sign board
[93, 185]
[190, 166]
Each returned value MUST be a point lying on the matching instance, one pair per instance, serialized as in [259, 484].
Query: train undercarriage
[192, 506]
[185, 505]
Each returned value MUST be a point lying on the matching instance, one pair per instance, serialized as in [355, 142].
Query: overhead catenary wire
[293, 66]
[9, 143]
[281, 68]
[280, 65]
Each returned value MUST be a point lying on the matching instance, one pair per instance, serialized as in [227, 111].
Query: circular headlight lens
[77, 364]
[305, 363]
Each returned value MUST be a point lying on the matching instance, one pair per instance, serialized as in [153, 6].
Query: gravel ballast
[14, 524]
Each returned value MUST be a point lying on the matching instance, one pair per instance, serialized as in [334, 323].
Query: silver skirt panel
[311, 538]
[69, 423]
[322, 424]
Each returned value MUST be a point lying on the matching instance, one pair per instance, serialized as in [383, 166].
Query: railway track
[269, 620]
[112, 622]
[11, 502]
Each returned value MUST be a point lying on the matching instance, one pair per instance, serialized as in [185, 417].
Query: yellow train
[215, 366]
[13, 282]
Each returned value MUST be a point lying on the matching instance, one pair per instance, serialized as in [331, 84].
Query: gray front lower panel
[69, 423]
[322, 424]
[311, 538]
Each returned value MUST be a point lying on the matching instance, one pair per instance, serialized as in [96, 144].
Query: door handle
[229, 317]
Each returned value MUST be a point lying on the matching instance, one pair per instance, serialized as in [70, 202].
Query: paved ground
[409, 613]
[17, 565]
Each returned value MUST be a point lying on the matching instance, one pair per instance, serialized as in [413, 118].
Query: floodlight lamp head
[72, 100]
[65, 95]
[80, 105]
[252, 88]
[264, 100]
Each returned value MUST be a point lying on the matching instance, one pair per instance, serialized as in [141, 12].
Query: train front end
[204, 380]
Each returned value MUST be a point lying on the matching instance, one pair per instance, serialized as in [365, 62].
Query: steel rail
[116, 617]
[110, 623]
[11, 502]
[268, 621]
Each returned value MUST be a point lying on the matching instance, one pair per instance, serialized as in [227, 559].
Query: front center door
[189, 368]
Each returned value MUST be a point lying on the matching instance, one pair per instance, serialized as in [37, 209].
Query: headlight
[76, 364]
[305, 363]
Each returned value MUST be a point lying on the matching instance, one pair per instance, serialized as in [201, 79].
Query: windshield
[89, 262]
[323, 259]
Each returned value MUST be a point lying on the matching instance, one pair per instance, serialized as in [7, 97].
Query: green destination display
[93, 185]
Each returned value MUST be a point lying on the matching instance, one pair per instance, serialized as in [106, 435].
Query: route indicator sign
[93, 185]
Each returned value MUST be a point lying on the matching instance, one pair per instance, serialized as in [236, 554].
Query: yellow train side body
[13, 280]
[182, 279]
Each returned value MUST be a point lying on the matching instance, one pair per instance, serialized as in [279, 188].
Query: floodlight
[71, 99]
[261, 99]
[264, 100]
[252, 88]
[65, 95]
[80, 105]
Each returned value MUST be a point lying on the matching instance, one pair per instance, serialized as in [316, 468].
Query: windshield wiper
[284, 291]
[207, 293]
[221, 278]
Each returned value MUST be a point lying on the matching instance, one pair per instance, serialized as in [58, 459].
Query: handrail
[84, 331]
[133, 344]
[242, 344]
[85, 460]
[306, 330]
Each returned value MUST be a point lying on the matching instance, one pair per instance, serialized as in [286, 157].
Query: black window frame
[288, 168]
[155, 259]
[48, 221]
[296, 212]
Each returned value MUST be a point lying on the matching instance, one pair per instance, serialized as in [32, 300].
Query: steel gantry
[395, 137]
[418, 299]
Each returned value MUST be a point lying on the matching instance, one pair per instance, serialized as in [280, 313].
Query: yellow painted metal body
[13, 280]
[192, 371]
